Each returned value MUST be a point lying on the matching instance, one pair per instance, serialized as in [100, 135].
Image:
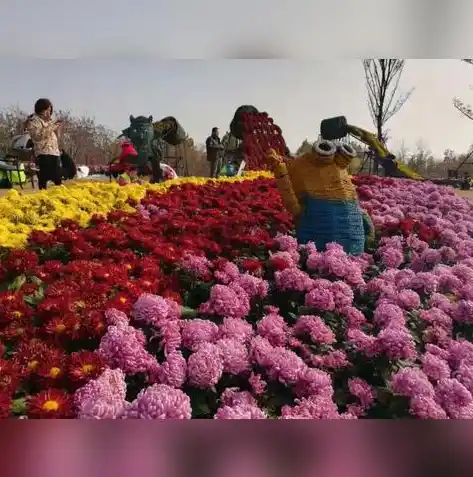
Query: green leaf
[36, 281]
[16, 284]
[188, 312]
[19, 406]
[305, 310]
[36, 298]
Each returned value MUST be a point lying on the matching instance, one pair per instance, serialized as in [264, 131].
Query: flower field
[192, 299]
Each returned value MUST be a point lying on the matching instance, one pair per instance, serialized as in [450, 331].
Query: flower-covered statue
[317, 189]
[149, 145]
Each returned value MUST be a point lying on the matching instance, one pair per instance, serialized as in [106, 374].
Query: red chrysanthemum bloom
[93, 324]
[52, 369]
[18, 331]
[121, 301]
[149, 283]
[10, 376]
[20, 261]
[15, 311]
[56, 306]
[9, 299]
[50, 404]
[5, 405]
[172, 295]
[85, 365]
[29, 354]
[67, 325]
[253, 266]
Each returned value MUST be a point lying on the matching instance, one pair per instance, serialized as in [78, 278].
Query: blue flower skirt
[324, 221]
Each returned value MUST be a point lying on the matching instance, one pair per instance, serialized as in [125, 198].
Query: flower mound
[199, 303]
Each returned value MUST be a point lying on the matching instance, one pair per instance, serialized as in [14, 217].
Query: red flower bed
[52, 315]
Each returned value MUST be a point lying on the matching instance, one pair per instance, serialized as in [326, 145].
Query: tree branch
[382, 84]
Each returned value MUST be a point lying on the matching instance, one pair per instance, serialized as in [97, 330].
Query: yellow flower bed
[20, 214]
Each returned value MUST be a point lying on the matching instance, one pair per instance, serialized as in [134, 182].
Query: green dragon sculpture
[149, 144]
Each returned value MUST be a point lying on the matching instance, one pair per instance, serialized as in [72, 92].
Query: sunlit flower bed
[199, 303]
[44, 211]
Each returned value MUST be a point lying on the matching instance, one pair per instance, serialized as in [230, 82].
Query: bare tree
[382, 83]
[460, 105]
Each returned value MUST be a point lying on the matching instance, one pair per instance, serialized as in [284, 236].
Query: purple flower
[342, 294]
[386, 315]
[286, 243]
[313, 382]
[234, 397]
[237, 329]
[261, 352]
[363, 343]
[460, 352]
[227, 272]
[363, 391]
[274, 329]
[241, 411]
[397, 343]
[436, 317]
[198, 331]
[355, 318]
[226, 302]
[463, 311]
[314, 407]
[426, 282]
[102, 398]
[434, 367]
[123, 347]
[320, 296]
[408, 299]
[253, 286]
[257, 383]
[335, 360]
[234, 355]
[464, 374]
[292, 279]
[314, 327]
[160, 402]
[455, 398]
[411, 382]
[198, 266]
[116, 317]
[285, 366]
[391, 257]
[425, 407]
[282, 260]
[173, 371]
[170, 336]
[205, 366]
[441, 302]
[155, 310]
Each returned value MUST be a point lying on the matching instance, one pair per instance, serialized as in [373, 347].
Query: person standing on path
[44, 134]
[214, 152]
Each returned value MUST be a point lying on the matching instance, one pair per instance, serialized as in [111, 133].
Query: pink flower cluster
[391, 330]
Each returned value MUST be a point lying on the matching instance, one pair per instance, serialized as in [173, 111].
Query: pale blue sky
[142, 35]
[205, 93]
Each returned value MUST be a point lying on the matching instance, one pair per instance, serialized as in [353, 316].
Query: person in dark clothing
[68, 166]
[214, 152]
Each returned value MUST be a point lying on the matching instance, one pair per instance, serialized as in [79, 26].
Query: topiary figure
[317, 189]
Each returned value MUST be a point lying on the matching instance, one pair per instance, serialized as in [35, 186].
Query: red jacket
[127, 150]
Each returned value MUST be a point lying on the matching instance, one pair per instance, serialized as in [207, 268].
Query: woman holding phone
[43, 131]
